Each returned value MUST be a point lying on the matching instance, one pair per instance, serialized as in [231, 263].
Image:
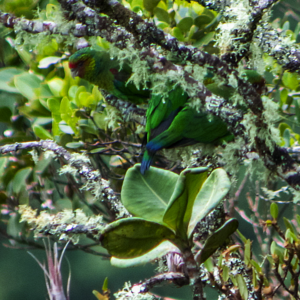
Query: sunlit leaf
[6, 79]
[211, 194]
[147, 195]
[188, 185]
[274, 210]
[290, 80]
[27, 84]
[56, 84]
[41, 132]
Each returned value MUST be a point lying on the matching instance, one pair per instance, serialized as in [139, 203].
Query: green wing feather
[175, 123]
[161, 111]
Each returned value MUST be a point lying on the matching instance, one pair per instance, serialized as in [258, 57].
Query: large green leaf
[161, 14]
[147, 195]
[290, 80]
[185, 24]
[41, 132]
[6, 78]
[132, 237]
[217, 239]
[212, 192]
[35, 109]
[27, 84]
[180, 206]
[150, 4]
[159, 251]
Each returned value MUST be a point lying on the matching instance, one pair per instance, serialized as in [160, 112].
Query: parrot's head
[88, 63]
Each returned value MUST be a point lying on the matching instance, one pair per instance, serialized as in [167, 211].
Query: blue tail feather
[146, 162]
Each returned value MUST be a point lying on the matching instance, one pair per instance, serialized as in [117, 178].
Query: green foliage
[274, 210]
[39, 99]
[166, 206]
[218, 238]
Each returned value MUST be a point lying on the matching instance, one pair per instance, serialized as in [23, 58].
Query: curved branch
[84, 169]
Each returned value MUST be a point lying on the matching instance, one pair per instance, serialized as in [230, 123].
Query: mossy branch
[93, 180]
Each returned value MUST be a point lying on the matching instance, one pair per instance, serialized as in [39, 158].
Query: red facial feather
[113, 71]
[72, 65]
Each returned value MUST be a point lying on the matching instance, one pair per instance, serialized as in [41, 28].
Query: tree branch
[84, 168]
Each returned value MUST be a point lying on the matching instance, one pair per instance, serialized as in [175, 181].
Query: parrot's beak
[74, 73]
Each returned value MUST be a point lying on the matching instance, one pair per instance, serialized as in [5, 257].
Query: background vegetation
[67, 146]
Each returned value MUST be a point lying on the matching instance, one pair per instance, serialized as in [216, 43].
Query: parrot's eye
[80, 64]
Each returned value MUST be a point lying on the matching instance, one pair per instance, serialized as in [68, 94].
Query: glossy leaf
[133, 237]
[88, 128]
[225, 274]
[283, 96]
[105, 285]
[277, 251]
[54, 105]
[56, 85]
[146, 196]
[162, 25]
[247, 252]
[274, 210]
[6, 79]
[150, 4]
[205, 18]
[283, 127]
[27, 84]
[65, 128]
[185, 24]
[256, 266]
[180, 207]
[161, 14]
[100, 120]
[241, 284]
[176, 32]
[41, 132]
[159, 251]
[217, 239]
[289, 225]
[290, 80]
[211, 194]
[209, 265]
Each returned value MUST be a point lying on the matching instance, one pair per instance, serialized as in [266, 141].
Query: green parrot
[98, 68]
[172, 122]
